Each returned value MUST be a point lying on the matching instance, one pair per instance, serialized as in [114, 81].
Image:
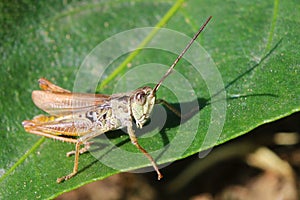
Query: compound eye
[140, 98]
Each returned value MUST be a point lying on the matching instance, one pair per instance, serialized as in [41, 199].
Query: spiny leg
[82, 140]
[31, 126]
[75, 168]
[135, 142]
[34, 130]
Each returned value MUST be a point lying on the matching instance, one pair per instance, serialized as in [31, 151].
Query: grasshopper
[77, 117]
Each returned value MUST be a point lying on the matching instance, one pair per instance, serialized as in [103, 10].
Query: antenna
[180, 56]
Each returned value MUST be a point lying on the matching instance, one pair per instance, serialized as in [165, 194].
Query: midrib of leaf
[273, 25]
[149, 37]
[119, 69]
[22, 159]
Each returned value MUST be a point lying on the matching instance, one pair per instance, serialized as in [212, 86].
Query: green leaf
[254, 44]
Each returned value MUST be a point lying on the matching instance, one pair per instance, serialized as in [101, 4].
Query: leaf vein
[273, 25]
[133, 54]
[21, 160]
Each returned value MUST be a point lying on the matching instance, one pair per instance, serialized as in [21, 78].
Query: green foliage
[255, 45]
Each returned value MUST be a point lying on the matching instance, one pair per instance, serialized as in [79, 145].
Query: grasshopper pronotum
[78, 117]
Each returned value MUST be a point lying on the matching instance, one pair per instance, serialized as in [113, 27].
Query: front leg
[135, 142]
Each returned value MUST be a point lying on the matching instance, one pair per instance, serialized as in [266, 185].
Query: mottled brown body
[86, 116]
[78, 117]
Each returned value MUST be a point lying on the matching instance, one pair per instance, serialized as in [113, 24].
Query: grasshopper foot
[159, 176]
[64, 178]
[70, 153]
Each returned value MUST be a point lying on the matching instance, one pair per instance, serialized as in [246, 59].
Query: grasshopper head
[142, 102]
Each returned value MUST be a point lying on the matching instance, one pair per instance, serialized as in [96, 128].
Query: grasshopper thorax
[142, 101]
